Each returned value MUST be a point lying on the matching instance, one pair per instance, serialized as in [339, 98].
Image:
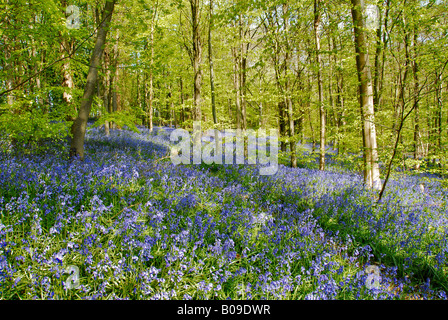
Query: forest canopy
[290, 65]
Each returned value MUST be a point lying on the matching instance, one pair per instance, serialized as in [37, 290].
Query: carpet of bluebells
[138, 227]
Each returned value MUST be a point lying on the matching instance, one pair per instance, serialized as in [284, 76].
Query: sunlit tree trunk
[288, 89]
[317, 23]
[212, 76]
[67, 79]
[105, 86]
[197, 59]
[341, 107]
[150, 90]
[379, 47]
[242, 74]
[237, 87]
[210, 60]
[116, 76]
[308, 109]
[371, 170]
[181, 96]
[417, 147]
[80, 124]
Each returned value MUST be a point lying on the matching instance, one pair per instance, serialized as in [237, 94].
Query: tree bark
[181, 88]
[67, 79]
[378, 50]
[308, 109]
[417, 148]
[80, 124]
[150, 111]
[288, 89]
[371, 170]
[116, 76]
[317, 21]
[197, 60]
[282, 124]
[242, 74]
[439, 88]
[105, 87]
[210, 60]
[341, 108]
[237, 86]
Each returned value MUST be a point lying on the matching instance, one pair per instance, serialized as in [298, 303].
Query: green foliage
[122, 118]
[28, 130]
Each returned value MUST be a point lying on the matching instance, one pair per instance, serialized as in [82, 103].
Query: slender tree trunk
[150, 110]
[150, 95]
[282, 105]
[317, 18]
[242, 75]
[197, 61]
[212, 76]
[308, 108]
[229, 105]
[332, 63]
[138, 98]
[282, 124]
[417, 149]
[341, 108]
[301, 118]
[116, 89]
[292, 143]
[10, 98]
[105, 86]
[237, 87]
[385, 40]
[379, 47]
[372, 173]
[80, 124]
[288, 89]
[181, 87]
[67, 79]
[439, 110]
[210, 60]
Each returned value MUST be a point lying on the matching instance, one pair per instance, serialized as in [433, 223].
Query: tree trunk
[317, 18]
[439, 110]
[282, 125]
[237, 86]
[298, 124]
[181, 87]
[10, 98]
[197, 60]
[116, 93]
[106, 86]
[341, 107]
[371, 170]
[335, 121]
[242, 75]
[150, 110]
[376, 77]
[308, 108]
[288, 89]
[67, 80]
[417, 148]
[80, 124]
[210, 60]
[384, 42]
